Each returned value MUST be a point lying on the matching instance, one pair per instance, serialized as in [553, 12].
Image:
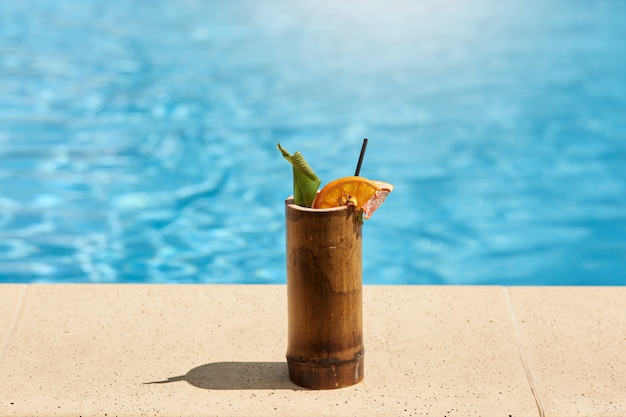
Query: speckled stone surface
[10, 297]
[574, 341]
[176, 350]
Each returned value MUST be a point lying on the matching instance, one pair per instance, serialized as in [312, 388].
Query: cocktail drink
[324, 283]
[325, 336]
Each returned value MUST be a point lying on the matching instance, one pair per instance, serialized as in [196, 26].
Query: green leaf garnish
[305, 182]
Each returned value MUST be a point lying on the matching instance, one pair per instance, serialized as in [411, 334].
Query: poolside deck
[219, 350]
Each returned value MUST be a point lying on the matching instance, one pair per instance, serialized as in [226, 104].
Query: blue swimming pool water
[137, 138]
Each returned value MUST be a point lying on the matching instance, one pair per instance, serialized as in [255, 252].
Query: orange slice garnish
[365, 195]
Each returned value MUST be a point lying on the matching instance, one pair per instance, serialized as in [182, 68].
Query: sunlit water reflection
[137, 139]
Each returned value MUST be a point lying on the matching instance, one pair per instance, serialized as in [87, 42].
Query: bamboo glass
[324, 296]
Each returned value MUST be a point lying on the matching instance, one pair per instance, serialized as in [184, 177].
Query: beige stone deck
[212, 350]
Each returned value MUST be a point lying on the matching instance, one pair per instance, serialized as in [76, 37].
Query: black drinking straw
[358, 165]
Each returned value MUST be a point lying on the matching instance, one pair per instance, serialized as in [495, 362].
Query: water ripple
[137, 140]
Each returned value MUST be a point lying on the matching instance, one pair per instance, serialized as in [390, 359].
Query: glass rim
[289, 202]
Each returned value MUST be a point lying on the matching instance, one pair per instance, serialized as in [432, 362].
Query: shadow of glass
[237, 376]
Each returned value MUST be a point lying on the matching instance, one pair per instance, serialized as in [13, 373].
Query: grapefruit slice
[379, 197]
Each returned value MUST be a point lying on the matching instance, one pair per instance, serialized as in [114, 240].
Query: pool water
[138, 138]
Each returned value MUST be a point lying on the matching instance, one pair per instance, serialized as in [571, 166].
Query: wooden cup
[324, 297]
